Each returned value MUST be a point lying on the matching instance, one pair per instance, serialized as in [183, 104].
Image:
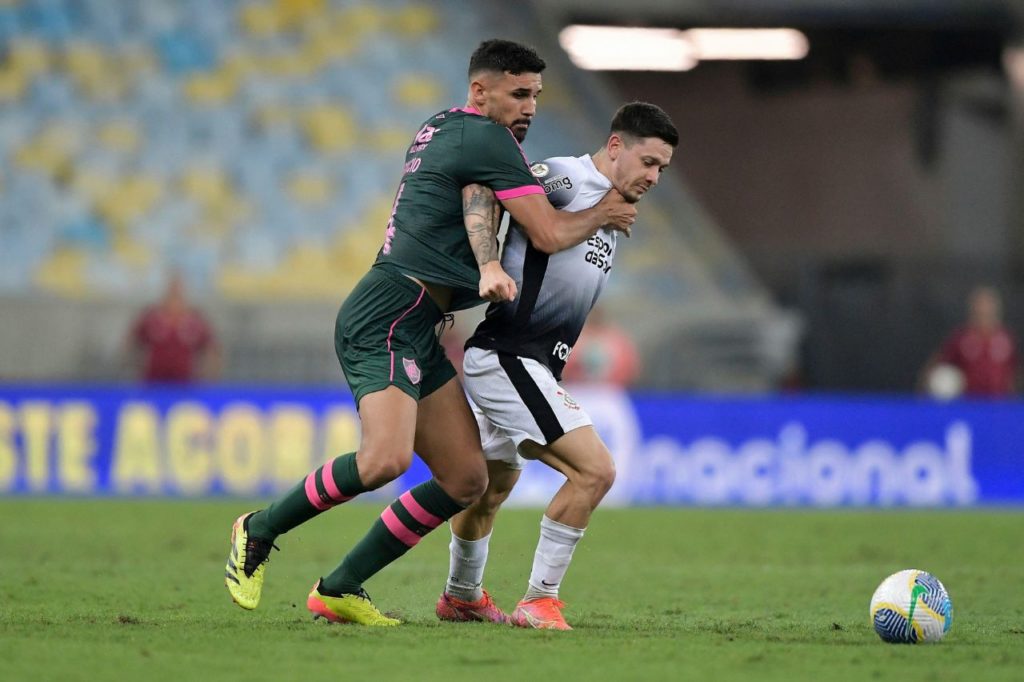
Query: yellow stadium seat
[63, 273]
[361, 19]
[309, 188]
[261, 20]
[298, 64]
[241, 63]
[205, 185]
[119, 136]
[325, 46]
[309, 272]
[211, 88]
[89, 183]
[132, 253]
[52, 150]
[388, 139]
[296, 13]
[43, 159]
[415, 20]
[93, 71]
[418, 91]
[330, 129]
[128, 200]
[224, 214]
[29, 57]
[354, 250]
[12, 85]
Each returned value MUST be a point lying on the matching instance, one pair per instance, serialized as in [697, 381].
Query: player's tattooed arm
[481, 212]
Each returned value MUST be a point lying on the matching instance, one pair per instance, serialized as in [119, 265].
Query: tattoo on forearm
[482, 214]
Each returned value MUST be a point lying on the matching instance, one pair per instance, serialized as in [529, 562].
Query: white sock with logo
[466, 570]
[551, 560]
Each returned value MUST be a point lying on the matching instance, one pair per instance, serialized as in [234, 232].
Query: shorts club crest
[412, 370]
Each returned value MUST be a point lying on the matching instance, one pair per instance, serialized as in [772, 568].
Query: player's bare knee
[380, 467]
[605, 476]
[596, 479]
[492, 499]
[467, 487]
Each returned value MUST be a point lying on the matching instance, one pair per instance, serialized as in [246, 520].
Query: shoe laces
[257, 553]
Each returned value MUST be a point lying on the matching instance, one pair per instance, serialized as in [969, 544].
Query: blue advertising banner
[669, 449]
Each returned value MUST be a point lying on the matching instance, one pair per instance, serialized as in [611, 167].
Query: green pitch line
[115, 590]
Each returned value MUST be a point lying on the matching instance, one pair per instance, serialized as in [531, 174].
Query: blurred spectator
[173, 340]
[978, 359]
[604, 354]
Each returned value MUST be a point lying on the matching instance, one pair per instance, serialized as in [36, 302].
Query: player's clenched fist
[620, 213]
[495, 284]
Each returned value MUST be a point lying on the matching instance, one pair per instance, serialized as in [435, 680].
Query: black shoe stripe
[231, 577]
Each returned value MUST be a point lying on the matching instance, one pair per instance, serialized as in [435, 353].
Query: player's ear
[478, 87]
[614, 146]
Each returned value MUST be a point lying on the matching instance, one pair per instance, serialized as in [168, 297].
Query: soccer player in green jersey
[405, 389]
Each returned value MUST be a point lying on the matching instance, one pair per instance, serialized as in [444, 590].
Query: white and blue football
[911, 607]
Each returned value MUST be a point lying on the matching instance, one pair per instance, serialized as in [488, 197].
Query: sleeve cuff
[517, 192]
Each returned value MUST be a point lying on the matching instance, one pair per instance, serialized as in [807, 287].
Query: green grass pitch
[97, 590]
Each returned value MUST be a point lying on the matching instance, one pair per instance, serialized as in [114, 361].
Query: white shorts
[516, 399]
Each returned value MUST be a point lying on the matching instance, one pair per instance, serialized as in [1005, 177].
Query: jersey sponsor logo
[600, 255]
[412, 370]
[562, 351]
[539, 170]
[568, 401]
[423, 138]
[556, 183]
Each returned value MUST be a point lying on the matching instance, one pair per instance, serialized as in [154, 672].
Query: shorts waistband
[395, 276]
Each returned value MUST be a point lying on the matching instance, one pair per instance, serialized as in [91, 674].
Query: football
[945, 382]
[911, 607]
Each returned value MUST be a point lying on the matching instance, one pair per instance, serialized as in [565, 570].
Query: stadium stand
[253, 146]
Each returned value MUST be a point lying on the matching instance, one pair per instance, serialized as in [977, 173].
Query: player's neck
[602, 163]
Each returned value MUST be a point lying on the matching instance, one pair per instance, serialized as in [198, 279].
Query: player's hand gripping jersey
[426, 235]
[556, 292]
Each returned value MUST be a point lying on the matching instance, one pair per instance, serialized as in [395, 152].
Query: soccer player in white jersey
[515, 358]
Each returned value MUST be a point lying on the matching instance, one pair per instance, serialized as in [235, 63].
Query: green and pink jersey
[426, 234]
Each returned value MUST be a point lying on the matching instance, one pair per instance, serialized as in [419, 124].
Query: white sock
[466, 574]
[551, 560]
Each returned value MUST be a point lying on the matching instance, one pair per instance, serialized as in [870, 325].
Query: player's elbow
[546, 242]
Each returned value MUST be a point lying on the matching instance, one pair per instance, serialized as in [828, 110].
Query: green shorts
[384, 336]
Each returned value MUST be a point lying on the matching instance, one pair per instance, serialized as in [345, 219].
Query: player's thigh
[448, 440]
[579, 452]
[388, 421]
[388, 431]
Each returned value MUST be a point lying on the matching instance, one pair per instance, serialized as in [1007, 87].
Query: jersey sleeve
[560, 177]
[492, 157]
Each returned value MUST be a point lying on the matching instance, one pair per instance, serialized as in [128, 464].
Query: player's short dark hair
[504, 55]
[642, 119]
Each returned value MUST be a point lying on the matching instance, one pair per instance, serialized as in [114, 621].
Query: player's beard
[519, 130]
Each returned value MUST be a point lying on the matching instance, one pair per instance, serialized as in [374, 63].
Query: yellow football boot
[348, 608]
[243, 574]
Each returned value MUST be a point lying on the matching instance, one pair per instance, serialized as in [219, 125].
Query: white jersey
[557, 291]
